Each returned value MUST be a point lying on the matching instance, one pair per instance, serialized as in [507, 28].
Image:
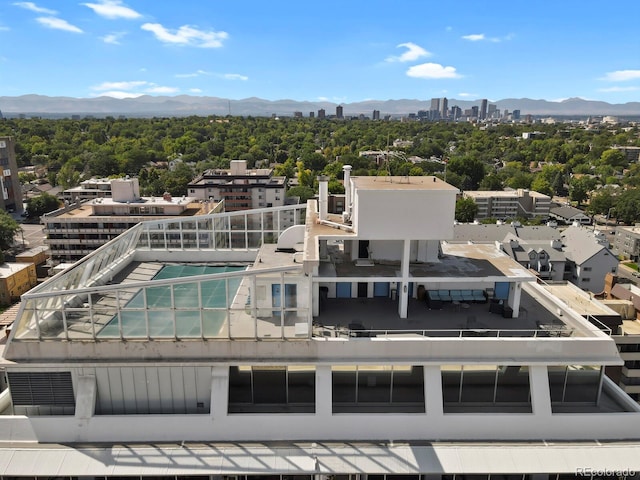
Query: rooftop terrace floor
[376, 316]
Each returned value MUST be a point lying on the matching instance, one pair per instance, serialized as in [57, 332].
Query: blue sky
[334, 50]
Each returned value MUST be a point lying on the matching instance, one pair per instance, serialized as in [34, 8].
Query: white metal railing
[326, 331]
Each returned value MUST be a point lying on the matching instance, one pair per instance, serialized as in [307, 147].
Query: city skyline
[340, 53]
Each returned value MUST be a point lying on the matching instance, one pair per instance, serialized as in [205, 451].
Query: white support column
[403, 294]
[515, 291]
[324, 395]
[315, 298]
[219, 383]
[540, 394]
[87, 391]
[433, 391]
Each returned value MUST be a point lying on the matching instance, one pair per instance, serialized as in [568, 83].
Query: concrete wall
[410, 214]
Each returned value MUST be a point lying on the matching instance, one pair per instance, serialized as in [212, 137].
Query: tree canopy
[43, 203]
[8, 230]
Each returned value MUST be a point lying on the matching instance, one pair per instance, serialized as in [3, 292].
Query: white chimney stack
[347, 189]
[323, 190]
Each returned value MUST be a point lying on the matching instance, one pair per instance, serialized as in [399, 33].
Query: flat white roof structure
[288, 341]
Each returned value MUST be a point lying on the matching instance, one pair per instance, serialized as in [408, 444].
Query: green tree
[491, 183]
[68, 176]
[614, 158]
[601, 202]
[304, 192]
[8, 230]
[466, 210]
[628, 206]
[580, 187]
[43, 203]
[541, 185]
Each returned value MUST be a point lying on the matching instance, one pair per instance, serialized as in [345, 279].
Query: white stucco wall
[411, 214]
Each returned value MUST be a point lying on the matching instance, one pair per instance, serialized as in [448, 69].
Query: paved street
[33, 235]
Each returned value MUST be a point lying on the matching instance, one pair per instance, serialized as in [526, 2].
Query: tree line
[562, 159]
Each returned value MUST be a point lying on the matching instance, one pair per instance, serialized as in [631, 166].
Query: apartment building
[510, 204]
[88, 190]
[302, 345]
[627, 242]
[240, 188]
[80, 228]
[10, 188]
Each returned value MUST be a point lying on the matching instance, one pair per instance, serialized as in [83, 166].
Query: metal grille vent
[35, 388]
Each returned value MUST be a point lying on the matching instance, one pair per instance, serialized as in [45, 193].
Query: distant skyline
[332, 51]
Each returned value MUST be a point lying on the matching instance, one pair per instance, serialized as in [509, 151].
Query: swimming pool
[199, 308]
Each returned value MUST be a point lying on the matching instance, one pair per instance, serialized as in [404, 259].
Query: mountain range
[181, 105]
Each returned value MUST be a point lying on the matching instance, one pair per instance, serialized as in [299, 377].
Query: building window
[490, 388]
[267, 389]
[586, 269]
[572, 385]
[384, 388]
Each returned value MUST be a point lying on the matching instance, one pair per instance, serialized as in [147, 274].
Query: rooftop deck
[379, 316]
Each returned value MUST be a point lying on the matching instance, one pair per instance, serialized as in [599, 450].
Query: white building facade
[289, 341]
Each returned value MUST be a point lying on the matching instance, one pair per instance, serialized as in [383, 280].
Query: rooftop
[8, 269]
[85, 210]
[401, 183]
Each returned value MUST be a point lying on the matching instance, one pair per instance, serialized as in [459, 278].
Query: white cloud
[197, 73]
[113, 38]
[225, 76]
[187, 35]
[466, 95]
[475, 37]
[4, 29]
[195, 90]
[118, 94]
[34, 8]
[58, 24]
[119, 85]
[131, 89]
[481, 37]
[432, 71]
[619, 89]
[622, 75]
[113, 9]
[323, 99]
[413, 53]
[158, 89]
[234, 76]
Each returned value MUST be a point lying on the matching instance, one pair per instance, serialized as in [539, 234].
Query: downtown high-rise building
[339, 112]
[483, 109]
[444, 106]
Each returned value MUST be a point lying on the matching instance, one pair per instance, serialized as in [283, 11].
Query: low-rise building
[16, 279]
[510, 203]
[568, 215]
[240, 188]
[88, 190]
[588, 258]
[545, 259]
[627, 242]
[78, 229]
